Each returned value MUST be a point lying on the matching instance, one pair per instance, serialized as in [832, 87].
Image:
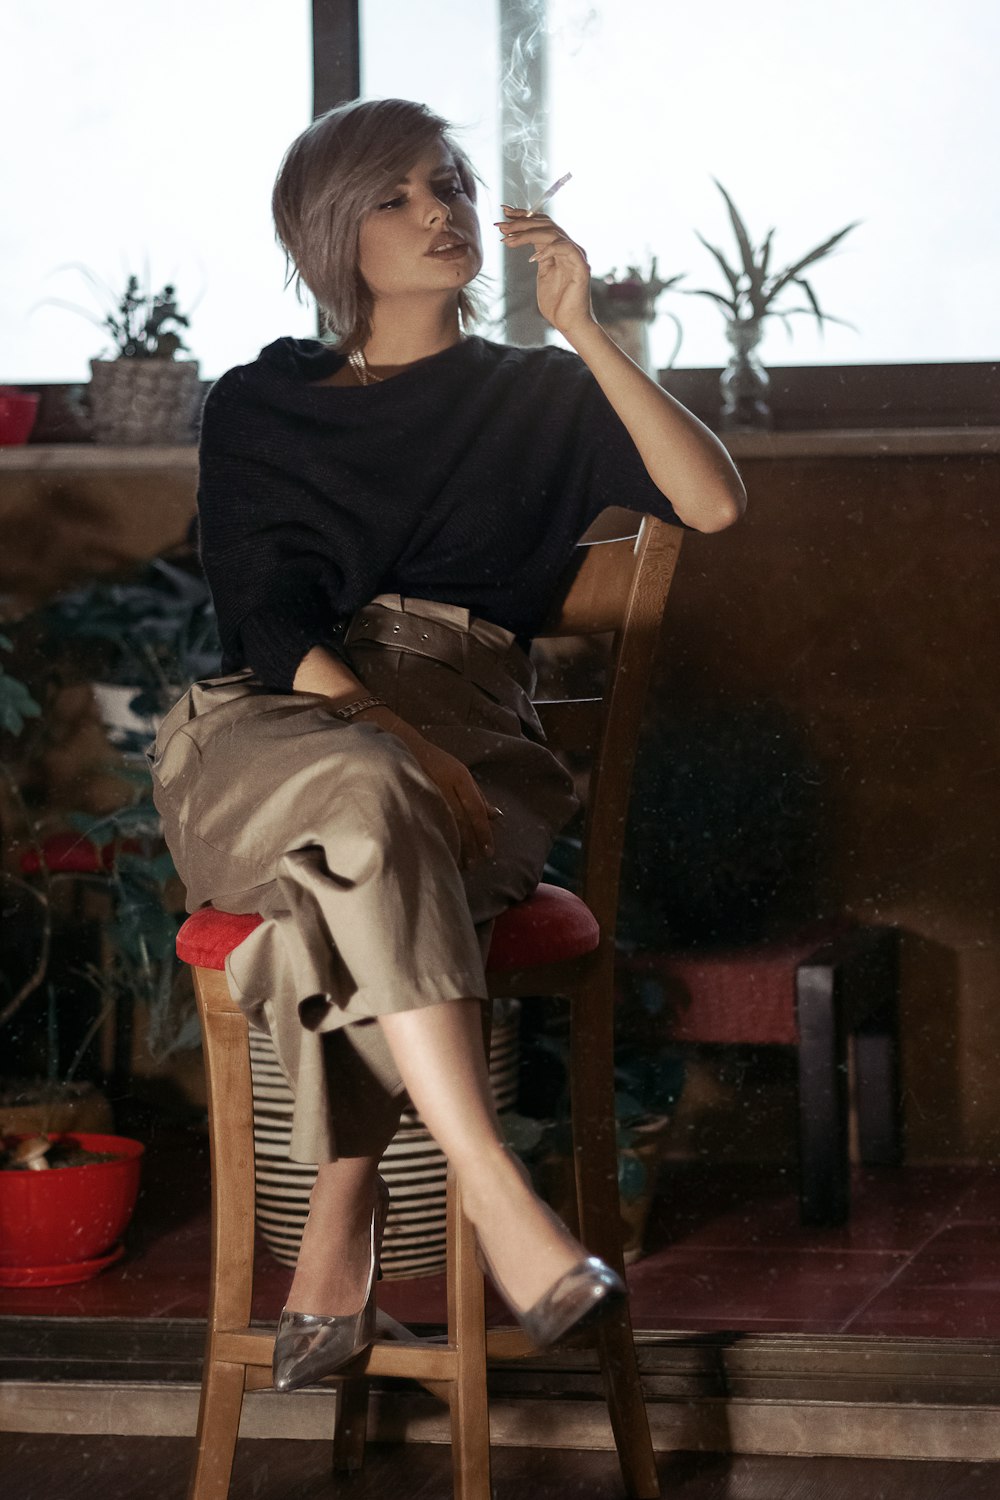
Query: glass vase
[745, 384]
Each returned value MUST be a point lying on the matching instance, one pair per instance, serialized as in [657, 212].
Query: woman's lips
[454, 251]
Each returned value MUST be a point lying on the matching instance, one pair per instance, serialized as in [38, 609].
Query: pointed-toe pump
[581, 1295]
[576, 1299]
[309, 1346]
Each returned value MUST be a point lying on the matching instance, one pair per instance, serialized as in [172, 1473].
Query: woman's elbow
[717, 511]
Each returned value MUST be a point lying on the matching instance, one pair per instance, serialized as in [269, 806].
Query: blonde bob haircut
[333, 174]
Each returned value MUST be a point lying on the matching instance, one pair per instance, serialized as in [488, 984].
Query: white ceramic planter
[114, 701]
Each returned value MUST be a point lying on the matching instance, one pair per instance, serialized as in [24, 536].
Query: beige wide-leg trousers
[333, 833]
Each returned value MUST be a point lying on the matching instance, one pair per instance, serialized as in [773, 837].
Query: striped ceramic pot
[414, 1166]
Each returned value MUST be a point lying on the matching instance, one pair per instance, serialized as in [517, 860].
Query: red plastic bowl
[68, 1215]
[17, 416]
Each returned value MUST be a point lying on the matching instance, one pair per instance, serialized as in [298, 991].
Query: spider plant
[138, 321]
[754, 287]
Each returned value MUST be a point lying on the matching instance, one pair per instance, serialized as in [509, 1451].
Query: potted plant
[142, 640]
[626, 306]
[65, 1202]
[156, 631]
[144, 394]
[55, 1099]
[648, 1083]
[65, 1198]
[753, 292]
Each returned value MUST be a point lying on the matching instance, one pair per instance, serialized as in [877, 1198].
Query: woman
[383, 519]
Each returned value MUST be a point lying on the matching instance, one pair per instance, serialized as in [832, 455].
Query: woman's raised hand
[563, 284]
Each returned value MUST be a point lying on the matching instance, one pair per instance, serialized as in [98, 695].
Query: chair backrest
[618, 587]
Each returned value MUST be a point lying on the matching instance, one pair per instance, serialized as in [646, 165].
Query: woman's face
[423, 236]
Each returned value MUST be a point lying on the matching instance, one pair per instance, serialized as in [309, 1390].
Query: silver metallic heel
[582, 1294]
[576, 1299]
[310, 1345]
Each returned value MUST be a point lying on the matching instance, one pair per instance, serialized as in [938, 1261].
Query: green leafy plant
[754, 287]
[17, 706]
[633, 295]
[153, 632]
[647, 1087]
[16, 702]
[142, 324]
[142, 963]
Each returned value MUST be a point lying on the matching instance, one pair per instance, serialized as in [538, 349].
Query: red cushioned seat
[550, 926]
[208, 936]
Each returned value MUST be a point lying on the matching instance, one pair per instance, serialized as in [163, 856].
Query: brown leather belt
[501, 670]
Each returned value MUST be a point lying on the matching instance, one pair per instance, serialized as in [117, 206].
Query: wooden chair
[552, 944]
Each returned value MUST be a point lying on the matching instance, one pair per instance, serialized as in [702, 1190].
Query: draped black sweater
[467, 479]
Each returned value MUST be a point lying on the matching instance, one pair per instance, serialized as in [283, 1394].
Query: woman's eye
[450, 190]
[392, 203]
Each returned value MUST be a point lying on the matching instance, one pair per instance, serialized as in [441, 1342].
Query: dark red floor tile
[753, 1207]
[910, 1312]
[980, 1203]
[787, 1286]
[950, 1289]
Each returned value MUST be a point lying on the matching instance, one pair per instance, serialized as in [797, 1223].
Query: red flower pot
[65, 1224]
[17, 416]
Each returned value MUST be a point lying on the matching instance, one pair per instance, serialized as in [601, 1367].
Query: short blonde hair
[330, 177]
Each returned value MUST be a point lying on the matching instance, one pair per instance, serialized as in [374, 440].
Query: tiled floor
[727, 1251]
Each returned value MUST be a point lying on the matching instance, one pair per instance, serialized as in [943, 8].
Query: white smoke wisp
[522, 90]
[522, 111]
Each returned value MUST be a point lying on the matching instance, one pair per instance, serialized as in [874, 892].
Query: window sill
[865, 442]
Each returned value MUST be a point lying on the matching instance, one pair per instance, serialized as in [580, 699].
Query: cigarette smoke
[522, 87]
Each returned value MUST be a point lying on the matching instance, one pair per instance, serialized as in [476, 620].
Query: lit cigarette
[550, 192]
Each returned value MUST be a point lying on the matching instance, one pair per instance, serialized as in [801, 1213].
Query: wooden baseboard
[763, 1394]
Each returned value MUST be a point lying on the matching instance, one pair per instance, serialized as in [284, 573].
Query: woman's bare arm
[684, 459]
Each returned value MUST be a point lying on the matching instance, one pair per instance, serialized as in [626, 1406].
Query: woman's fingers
[545, 237]
[474, 824]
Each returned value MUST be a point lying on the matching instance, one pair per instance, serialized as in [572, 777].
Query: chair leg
[351, 1430]
[470, 1418]
[218, 1428]
[599, 1211]
[626, 1405]
[227, 1067]
[823, 1096]
[876, 1054]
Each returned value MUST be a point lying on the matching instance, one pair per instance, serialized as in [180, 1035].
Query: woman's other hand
[473, 836]
[563, 282]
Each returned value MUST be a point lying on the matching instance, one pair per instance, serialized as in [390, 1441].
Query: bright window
[811, 116]
[147, 134]
[445, 55]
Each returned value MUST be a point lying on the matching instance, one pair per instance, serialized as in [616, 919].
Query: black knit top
[467, 479]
